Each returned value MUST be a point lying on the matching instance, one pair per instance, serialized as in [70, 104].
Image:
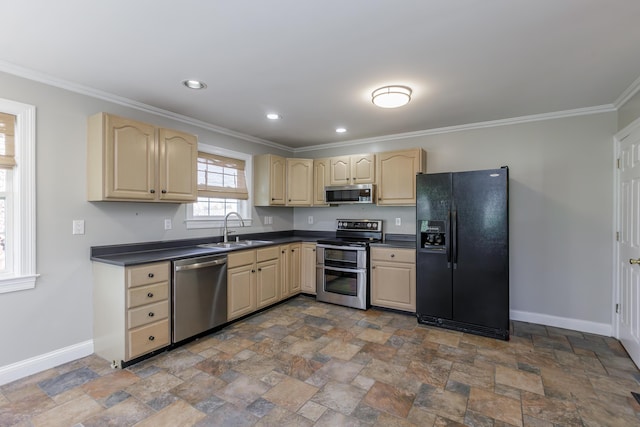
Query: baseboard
[36, 364]
[563, 322]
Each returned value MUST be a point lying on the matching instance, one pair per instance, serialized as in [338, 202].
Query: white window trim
[24, 203]
[195, 222]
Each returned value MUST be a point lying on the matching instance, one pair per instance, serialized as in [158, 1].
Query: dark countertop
[143, 253]
[403, 241]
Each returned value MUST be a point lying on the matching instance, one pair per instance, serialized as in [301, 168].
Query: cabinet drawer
[148, 338]
[147, 274]
[393, 254]
[147, 294]
[236, 259]
[264, 254]
[147, 314]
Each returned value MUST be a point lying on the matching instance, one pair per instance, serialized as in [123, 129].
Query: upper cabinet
[299, 182]
[397, 176]
[269, 180]
[355, 169]
[129, 160]
[320, 180]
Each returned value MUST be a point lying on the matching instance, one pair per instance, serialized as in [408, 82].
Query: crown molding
[29, 74]
[607, 108]
[627, 94]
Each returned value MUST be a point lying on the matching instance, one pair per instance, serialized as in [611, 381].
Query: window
[222, 187]
[17, 196]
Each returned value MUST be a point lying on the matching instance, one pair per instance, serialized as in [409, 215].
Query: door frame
[617, 139]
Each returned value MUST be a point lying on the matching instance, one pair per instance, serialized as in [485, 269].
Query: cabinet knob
[150, 275]
[373, 267]
[260, 269]
[164, 191]
[152, 191]
[150, 294]
[293, 250]
[273, 198]
[289, 199]
[313, 250]
[151, 314]
[253, 271]
[151, 338]
[393, 255]
[283, 251]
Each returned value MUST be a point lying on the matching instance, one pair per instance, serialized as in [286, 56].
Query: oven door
[344, 286]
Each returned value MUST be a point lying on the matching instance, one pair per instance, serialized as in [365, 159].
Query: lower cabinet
[308, 268]
[131, 310]
[393, 278]
[253, 280]
[290, 268]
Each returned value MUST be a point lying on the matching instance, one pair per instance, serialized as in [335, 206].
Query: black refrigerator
[462, 256]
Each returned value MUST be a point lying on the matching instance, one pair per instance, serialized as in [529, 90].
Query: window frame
[194, 222]
[23, 221]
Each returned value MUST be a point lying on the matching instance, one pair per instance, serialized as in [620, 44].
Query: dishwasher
[199, 295]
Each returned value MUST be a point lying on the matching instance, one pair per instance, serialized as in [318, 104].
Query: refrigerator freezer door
[481, 272]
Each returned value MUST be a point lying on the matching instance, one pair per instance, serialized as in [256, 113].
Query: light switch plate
[310, 219]
[398, 221]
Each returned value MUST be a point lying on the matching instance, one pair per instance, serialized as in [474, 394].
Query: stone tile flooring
[305, 363]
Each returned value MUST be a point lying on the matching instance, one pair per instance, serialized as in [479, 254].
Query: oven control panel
[360, 224]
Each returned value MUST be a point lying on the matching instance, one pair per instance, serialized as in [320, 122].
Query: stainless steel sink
[231, 245]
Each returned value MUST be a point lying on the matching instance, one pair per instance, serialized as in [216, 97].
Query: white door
[629, 245]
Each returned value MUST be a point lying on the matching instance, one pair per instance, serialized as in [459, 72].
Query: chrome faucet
[226, 229]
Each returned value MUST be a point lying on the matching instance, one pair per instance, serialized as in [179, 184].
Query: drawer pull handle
[151, 314]
[151, 338]
[150, 275]
[150, 294]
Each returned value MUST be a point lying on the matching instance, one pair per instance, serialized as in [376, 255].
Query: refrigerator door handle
[454, 239]
[448, 238]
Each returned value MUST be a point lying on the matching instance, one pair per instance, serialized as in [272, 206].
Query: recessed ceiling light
[341, 130]
[194, 84]
[391, 96]
[273, 116]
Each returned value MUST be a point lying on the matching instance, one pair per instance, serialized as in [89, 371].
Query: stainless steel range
[342, 264]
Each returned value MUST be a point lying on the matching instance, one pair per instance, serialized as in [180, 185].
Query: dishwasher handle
[198, 265]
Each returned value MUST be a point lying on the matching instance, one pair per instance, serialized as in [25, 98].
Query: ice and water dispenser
[432, 235]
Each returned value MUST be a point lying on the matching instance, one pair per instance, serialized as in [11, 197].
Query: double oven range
[342, 264]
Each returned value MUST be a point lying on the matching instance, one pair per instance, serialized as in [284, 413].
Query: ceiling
[317, 62]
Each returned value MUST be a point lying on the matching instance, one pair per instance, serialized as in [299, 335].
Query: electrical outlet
[167, 224]
[398, 221]
[310, 219]
[78, 226]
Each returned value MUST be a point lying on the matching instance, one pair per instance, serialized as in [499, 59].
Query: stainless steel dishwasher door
[199, 295]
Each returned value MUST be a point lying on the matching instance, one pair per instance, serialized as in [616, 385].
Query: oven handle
[343, 248]
[345, 270]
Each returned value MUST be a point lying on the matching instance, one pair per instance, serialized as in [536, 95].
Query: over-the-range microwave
[356, 193]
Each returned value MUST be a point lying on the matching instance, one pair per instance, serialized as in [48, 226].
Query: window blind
[221, 177]
[7, 145]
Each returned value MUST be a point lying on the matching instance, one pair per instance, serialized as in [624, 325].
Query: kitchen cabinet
[355, 169]
[253, 280]
[320, 180]
[308, 268]
[299, 182]
[130, 310]
[397, 176]
[129, 160]
[269, 180]
[290, 269]
[393, 278]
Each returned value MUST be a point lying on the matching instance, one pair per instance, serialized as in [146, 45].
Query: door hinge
[617, 308]
[617, 236]
[618, 162]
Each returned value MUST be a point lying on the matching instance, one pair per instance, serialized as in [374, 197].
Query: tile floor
[305, 363]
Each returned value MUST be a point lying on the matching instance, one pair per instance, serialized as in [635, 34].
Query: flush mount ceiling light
[341, 130]
[391, 96]
[194, 84]
[273, 116]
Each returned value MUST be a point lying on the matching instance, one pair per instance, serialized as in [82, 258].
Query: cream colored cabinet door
[308, 268]
[130, 159]
[340, 170]
[267, 282]
[241, 291]
[294, 266]
[178, 162]
[269, 180]
[397, 176]
[393, 278]
[299, 182]
[320, 180]
[285, 271]
[363, 167]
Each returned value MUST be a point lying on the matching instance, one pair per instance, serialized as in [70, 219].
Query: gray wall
[629, 111]
[561, 206]
[561, 212]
